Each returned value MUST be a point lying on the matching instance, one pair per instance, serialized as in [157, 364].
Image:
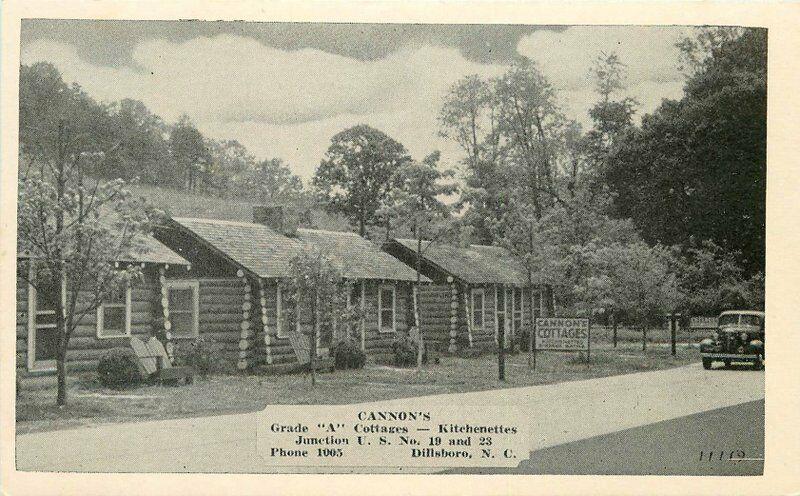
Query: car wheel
[759, 363]
[727, 364]
[707, 363]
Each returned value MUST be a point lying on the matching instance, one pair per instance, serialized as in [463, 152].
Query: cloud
[289, 103]
[566, 58]
[236, 79]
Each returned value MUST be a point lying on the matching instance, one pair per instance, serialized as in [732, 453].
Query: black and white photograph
[271, 247]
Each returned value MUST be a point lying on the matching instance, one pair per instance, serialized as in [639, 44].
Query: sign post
[589, 343]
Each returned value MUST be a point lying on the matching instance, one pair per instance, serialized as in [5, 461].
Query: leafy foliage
[117, 368]
[70, 227]
[202, 354]
[696, 168]
[348, 355]
[355, 177]
[405, 351]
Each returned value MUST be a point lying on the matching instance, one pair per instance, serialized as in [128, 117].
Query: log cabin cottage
[238, 269]
[476, 289]
[140, 307]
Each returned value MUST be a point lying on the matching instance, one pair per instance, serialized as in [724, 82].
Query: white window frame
[101, 316]
[473, 292]
[279, 327]
[381, 327]
[195, 287]
[518, 312]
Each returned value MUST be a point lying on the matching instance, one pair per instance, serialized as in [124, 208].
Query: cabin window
[279, 323]
[183, 300]
[518, 308]
[114, 314]
[386, 309]
[478, 309]
[354, 303]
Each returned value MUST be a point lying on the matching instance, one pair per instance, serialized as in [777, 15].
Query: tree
[632, 278]
[611, 118]
[530, 119]
[315, 286]
[705, 43]
[711, 281]
[469, 117]
[696, 168]
[270, 182]
[143, 151]
[71, 229]
[417, 203]
[188, 149]
[356, 174]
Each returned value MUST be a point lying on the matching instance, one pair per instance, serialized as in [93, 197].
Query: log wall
[221, 315]
[434, 314]
[85, 348]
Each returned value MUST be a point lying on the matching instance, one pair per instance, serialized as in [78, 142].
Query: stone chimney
[277, 218]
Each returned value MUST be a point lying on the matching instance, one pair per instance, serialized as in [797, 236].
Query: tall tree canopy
[357, 173]
[696, 168]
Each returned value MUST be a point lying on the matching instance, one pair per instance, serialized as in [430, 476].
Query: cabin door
[42, 333]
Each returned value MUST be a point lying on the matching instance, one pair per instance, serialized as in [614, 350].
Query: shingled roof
[145, 249]
[357, 257]
[266, 253]
[476, 264]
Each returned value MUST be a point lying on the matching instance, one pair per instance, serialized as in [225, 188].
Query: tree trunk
[644, 338]
[501, 353]
[421, 344]
[312, 362]
[58, 273]
[61, 395]
[614, 327]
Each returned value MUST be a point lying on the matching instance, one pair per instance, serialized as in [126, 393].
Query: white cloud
[232, 78]
[289, 104]
[566, 58]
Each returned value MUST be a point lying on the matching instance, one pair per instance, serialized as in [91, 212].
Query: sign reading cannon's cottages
[562, 334]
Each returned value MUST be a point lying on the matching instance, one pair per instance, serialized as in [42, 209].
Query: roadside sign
[703, 323]
[562, 334]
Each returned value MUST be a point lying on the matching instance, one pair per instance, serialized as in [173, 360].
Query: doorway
[42, 332]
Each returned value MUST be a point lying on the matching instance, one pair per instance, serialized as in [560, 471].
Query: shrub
[404, 349]
[201, 354]
[348, 355]
[118, 368]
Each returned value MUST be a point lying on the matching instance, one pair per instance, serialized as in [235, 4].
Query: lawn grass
[90, 403]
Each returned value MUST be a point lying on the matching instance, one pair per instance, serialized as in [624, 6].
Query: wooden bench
[155, 365]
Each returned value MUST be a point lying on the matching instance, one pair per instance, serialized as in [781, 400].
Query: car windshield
[751, 320]
[736, 319]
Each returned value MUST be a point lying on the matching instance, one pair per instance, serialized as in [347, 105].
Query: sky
[284, 89]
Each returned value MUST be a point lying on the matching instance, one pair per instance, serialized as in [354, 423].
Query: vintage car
[739, 338]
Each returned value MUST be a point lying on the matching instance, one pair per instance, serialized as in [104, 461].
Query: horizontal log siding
[220, 319]
[434, 314]
[22, 323]
[85, 348]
